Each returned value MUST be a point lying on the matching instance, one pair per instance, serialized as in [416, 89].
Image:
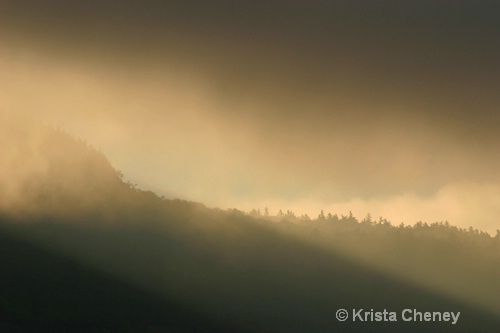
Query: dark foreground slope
[44, 291]
[250, 280]
[80, 250]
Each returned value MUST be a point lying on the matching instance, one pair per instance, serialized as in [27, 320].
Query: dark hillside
[44, 291]
[81, 250]
[259, 282]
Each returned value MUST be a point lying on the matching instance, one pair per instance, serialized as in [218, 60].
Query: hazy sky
[387, 107]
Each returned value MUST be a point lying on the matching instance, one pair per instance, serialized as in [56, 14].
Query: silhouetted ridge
[81, 249]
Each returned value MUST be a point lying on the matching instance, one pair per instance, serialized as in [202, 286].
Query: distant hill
[47, 171]
[82, 250]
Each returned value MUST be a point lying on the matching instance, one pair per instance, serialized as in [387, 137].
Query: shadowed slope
[45, 291]
[82, 249]
[256, 281]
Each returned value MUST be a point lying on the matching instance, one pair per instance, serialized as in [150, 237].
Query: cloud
[289, 107]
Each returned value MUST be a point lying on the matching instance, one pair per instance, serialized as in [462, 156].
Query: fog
[43, 174]
[380, 109]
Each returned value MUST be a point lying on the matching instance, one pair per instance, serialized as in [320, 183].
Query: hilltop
[85, 250]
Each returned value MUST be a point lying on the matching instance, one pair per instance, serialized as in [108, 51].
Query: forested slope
[83, 249]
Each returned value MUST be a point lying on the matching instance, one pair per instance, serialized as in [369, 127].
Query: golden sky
[390, 108]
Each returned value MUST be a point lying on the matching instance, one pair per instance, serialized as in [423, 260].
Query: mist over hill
[388, 107]
[84, 250]
[47, 171]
